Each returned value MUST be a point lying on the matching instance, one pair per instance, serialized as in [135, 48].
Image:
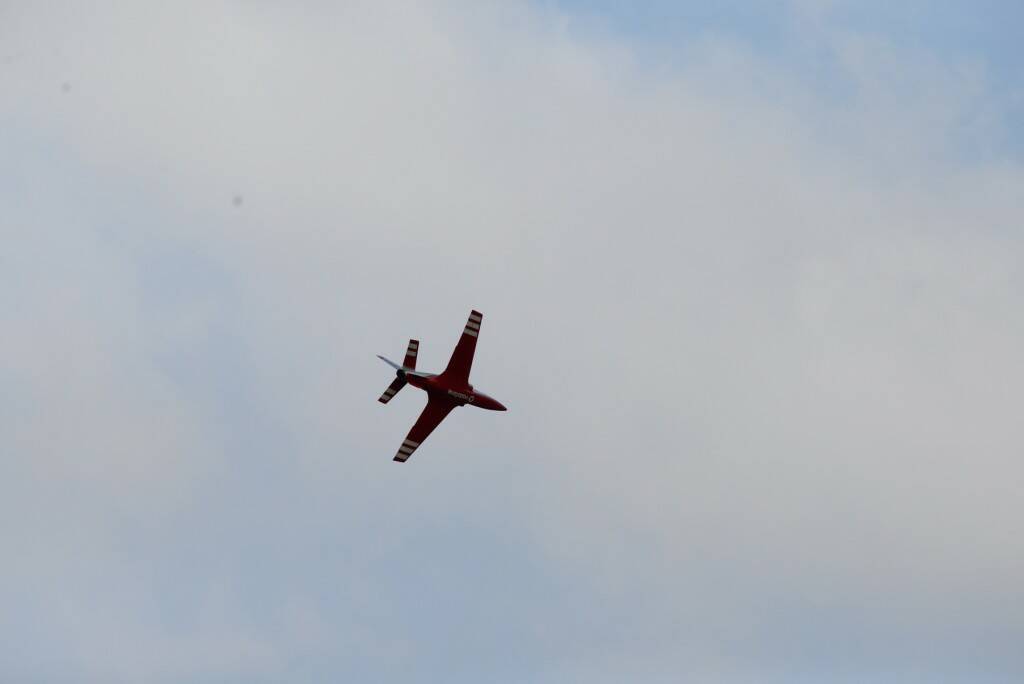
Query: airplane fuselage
[461, 394]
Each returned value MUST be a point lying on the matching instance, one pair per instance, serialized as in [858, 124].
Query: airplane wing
[436, 410]
[462, 358]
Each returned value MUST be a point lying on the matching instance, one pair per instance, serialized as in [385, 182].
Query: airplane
[444, 392]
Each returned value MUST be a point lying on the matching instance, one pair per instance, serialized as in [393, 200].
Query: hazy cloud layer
[758, 329]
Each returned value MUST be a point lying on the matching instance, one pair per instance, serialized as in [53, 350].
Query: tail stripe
[411, 352]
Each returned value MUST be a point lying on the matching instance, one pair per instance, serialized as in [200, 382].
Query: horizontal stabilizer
[410, 354]
[392, 390]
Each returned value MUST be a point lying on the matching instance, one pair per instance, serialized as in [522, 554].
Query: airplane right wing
[437, 408]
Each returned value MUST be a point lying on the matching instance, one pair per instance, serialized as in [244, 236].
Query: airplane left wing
[436, 410]
[462, 357]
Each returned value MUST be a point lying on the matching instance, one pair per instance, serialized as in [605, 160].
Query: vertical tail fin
[410, 354]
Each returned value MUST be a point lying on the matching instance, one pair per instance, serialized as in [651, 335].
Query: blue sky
[983, 30]
[983, 35]
[751, 283]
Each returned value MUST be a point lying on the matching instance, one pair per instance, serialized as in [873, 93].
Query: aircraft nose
[489, 403]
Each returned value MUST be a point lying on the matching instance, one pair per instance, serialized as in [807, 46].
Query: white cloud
[759, 344]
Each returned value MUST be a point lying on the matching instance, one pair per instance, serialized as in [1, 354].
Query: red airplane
[444, 392]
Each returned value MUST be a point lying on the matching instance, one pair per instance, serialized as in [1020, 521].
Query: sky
[752, 292]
